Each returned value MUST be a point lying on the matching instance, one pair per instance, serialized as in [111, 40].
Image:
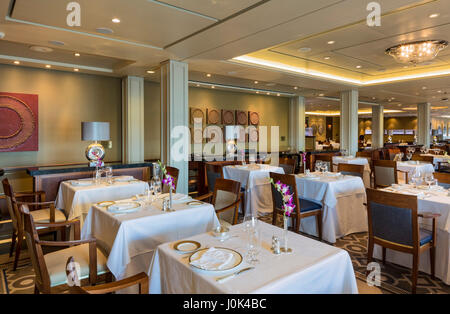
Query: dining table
[438, 159]
[76, 197]
[254, 179]
[342, 198]
[436, 201]
[310, 268]
[130, 237]
[411, 167]
[354, 161]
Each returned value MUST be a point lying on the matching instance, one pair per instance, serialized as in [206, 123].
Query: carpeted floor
[395, 279]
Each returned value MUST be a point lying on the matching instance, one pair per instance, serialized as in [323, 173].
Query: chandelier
[417, 52]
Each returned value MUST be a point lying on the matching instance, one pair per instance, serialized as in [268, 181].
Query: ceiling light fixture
[116, 20]
[331, 42]
[48, 66]
[208, 75]
[76, 70]
[295, 87]
[213, 86]
[434, 15]
[41, 49]
[16, 62]
[305, 49]
[327, 58]
[256, 82]
[76, 54]
[150, 72]
[417, 52]
[358, 66]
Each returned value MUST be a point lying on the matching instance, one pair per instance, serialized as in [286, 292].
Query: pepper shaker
[276, 245]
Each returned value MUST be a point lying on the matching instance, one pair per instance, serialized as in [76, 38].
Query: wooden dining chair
[303, 208]
[394, 224]
[288, 165]
[49, 268]
[351, 170]
[45, 212]
[418, 157]
[443, 179]
[214, 171]
[226, 200]
[141, 279]
[172, 171]
[328, 159]
[392, 152]
[386, 173]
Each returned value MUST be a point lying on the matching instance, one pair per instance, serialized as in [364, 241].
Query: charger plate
[236, 261]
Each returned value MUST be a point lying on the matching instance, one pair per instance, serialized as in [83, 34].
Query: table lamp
[95, 131]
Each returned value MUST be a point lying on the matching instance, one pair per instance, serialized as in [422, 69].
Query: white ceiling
[208, 33]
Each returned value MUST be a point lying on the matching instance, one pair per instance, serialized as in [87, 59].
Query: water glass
[253, 242]
[429, 179]
[318, 166]
[109, 175]
[157, 185]
[409, 155]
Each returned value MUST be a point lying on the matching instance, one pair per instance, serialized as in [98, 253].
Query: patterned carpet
[395, 279]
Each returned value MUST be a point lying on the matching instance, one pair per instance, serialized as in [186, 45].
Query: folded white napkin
[122, 206]
[213, 259]
[123, 178]
[82, 182]
[177, 198]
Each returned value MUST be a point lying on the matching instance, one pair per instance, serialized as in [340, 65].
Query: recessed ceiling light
[76, 54]
[76, 70]
[327, 58]
[305, 49]
[267, 93]
[321, 95]
[295, 87]
[256, 82]
[213, 86]
[439, 91]
[56, 43]
[358, 66]
[374, 98]
[48, 66]
[278, 95]
[116, 20]
[41, 49]
[424, 87]
[331, 42]
[150, 72]
[208, 75]
[434, 15]
[257, 92]
[16, 62]
[104, 30]
[198, 85]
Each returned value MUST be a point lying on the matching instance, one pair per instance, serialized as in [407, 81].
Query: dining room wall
[273, 111]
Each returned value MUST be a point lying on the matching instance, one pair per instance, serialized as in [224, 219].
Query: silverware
[225, 278]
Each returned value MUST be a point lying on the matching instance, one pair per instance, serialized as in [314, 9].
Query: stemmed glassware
[318, 166]
[324, 167]
[429, 180]
[409, 155]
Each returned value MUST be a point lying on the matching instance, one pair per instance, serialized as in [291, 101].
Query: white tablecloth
[438, 202]
[343, 201]
[128, 236]
[437, 159]
[255, 179]
[411, 167]
[313, 267]
[77, 200]
[355, 161]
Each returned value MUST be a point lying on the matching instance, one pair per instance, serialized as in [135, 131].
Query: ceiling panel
[141, 20]
[218, 9]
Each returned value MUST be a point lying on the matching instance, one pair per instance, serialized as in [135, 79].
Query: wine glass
[409, 155]
[324, 167]
[429, 179]
[318, 166]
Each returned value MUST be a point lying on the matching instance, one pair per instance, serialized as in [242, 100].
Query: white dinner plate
[124, 179]
[125, 207]
[194, 203]
[105, 203]
[82, 182]
[187, 246]
[235, 261]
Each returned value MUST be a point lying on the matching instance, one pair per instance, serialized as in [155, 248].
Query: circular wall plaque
[253, 118]
[213, 116]
[196, 114]
[17, 121]
[241, 117]
[320, 129]
[253, 135]
[227, 117]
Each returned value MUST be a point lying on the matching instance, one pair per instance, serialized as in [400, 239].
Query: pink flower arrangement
[167, 178]
[288, 199]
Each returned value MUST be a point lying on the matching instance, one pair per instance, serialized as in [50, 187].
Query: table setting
[355, 161]
[254, 179]
[246, 262]
[130, 229]
[432, 200]
[342, 197]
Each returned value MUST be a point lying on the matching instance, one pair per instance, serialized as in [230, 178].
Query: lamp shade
[95, 131]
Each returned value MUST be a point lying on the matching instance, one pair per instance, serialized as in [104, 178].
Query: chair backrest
[288, 165]
[393, 217]
[140, 279]
[443, 179]
[174, 173]
[42, 278]
[226, 192]
[418, 157]
[277, 198]
[385, 172]
[392, 152]
[351, 170]
[214, 171]
[328, 159]
[10, 202]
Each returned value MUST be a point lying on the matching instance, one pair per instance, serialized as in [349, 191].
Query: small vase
[170, 199]
[285, 248]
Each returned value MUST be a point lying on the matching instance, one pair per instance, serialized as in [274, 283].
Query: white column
[349, 121]
[423, 124]
[174, 119]
[377, 126]
[132, 119]
[297, 123]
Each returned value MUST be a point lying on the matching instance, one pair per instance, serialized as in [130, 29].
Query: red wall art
[18, 122]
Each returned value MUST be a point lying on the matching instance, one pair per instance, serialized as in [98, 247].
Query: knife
[227, 277]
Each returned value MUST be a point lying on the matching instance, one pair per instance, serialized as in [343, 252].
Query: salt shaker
[165, 205]
[276, 245]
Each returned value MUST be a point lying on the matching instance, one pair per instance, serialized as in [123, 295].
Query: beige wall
[65, 100]
[273, 111]
[152, 120]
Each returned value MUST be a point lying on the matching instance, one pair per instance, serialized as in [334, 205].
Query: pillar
[349, 121]
[377, 126]
[297, 123]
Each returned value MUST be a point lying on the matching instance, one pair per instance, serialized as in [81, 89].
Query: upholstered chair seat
[306, 205]
[57, 269]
